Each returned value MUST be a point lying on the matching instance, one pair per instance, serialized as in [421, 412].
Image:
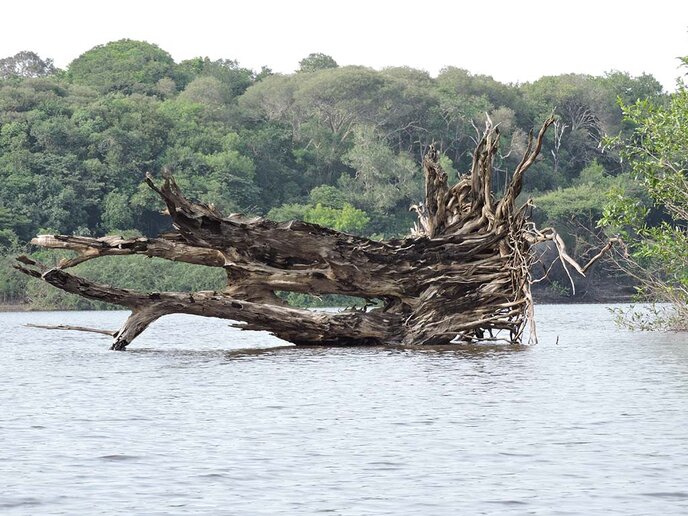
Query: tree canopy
[125, 66]
[316, 61]
[339, 145]
[26, 64]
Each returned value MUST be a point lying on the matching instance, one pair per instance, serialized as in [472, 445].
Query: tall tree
[26, 64]
[316, 61]
[126, 66]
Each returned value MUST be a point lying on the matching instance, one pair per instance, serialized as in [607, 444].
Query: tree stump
[462, 276]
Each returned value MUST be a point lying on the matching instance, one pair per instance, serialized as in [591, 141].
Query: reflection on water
[199, 418]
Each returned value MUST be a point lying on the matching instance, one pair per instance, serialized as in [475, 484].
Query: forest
[338, 146]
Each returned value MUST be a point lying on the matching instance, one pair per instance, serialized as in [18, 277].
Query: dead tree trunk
[463, 275]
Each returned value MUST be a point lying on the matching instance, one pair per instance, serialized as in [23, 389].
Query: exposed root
[463, 275]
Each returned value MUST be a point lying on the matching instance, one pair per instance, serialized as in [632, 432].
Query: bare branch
[109, 333]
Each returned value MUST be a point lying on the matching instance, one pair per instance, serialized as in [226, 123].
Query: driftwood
[72, 328]
[462, 276]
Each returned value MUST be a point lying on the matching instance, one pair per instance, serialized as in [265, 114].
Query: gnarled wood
[462, 275]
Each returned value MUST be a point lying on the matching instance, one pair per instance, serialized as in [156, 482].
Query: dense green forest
[337, 146]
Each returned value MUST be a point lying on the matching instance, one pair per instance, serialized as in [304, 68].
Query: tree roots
[462, 276]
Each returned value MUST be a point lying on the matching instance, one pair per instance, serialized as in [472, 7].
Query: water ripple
[201, 419]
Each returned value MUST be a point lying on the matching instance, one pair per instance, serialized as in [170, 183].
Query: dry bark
[463, 275]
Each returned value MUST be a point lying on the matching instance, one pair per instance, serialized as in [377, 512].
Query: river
[198, 418]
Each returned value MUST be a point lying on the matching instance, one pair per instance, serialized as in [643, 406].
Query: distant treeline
[338, 146]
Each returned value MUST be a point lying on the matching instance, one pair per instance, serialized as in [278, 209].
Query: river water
[592, 420]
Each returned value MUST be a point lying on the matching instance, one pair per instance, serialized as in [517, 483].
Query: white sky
[514, 41]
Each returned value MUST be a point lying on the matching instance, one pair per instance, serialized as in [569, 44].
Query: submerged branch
[109, 333]
[292, 324]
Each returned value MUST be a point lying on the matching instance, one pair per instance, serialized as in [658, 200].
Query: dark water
[185, 423]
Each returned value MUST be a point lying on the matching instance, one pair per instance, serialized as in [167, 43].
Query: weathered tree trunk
[463, 275]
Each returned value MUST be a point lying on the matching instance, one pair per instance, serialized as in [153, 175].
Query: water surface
[593, 420]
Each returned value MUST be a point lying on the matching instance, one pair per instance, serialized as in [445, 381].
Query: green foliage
[345, 218]
[300, 300]
[232, 79]
[8, 240]
[13, 284]
[574, 212]
[558, 289]
[126, 66]
[117, 213]
[328, 196]
[383, 180]
[624, 211]
[649, 317]
[288, 212]
[315, 62]
[658, 161]
[12, 224]
[581, 204]
[593, 174]
[576, 204]
[147, 274]
[26, 64]
[337, 146]
[208, 92]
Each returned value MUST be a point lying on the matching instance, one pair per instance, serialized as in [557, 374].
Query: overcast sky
[514, 41]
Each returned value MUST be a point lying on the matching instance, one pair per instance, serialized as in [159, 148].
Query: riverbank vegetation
[651, 211]
[339, 146]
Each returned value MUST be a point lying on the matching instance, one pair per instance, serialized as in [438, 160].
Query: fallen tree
[463, 274]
